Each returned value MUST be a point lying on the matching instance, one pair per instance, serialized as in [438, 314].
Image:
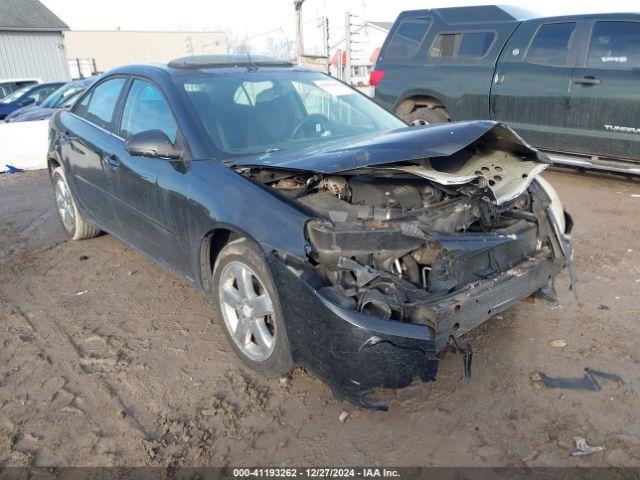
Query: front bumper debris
[354, 353]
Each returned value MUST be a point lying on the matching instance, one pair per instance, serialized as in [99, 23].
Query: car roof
[209, 64]
[227, 61]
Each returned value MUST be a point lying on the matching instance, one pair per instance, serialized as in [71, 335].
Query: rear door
[150, 190]
[530, 89]
[605, 91]
[86, 141]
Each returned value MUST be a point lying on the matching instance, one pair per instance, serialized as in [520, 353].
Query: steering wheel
[314, 117]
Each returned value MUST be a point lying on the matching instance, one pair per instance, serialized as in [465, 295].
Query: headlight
[556, 205]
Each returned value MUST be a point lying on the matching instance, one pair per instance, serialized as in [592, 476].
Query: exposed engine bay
[391, 239]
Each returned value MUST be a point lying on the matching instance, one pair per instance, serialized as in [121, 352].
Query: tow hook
[467, 355]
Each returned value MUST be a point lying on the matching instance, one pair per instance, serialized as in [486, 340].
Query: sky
[262, 19]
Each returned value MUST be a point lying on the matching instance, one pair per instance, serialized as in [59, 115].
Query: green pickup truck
[569, 85]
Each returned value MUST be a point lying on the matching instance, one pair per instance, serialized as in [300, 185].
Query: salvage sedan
[328, 234]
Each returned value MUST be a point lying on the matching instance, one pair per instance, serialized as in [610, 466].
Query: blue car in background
[28, 95]
[63, 97]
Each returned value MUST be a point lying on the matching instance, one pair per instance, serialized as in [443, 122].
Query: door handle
[587, 80]
[111, 160]
[498, 78]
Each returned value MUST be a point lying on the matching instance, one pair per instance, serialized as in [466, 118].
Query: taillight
[375, 77]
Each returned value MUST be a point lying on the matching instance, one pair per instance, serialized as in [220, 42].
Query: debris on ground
[588, 382]
[583, 448]
[81, 293]
[12, 169]
[84, 257]
[602, 306]
[343, 417]
[558, 343]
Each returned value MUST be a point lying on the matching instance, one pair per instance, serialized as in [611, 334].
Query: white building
[366, 43]
[96, 51]
[31, 44]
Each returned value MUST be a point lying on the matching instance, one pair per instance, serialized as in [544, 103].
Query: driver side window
[146, 109]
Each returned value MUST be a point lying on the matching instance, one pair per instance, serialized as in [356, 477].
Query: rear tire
[426, 116]
[73, 223]
[247, 302]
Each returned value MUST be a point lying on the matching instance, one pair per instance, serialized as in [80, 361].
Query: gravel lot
[113, 361]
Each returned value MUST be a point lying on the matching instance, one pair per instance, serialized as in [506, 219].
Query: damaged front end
[413, 253]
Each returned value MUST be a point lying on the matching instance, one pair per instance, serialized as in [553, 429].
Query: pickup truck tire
[426, 116]
[72, 221]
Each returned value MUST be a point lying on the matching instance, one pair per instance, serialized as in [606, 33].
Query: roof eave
[6, 28]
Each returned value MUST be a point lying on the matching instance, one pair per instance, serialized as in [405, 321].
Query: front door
[151, 191]
[605, 92]
[530, 90]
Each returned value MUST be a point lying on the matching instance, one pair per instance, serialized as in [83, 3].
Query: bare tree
[281, 47]
[237, 43]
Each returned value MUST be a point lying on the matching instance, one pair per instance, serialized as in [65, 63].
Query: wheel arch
[211, 245]
[414, 100]
[53, 162]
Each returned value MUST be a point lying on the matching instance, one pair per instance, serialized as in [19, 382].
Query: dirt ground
[112, 361]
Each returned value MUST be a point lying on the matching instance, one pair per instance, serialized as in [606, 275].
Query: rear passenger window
[145, 110]
[408, 37]
[615, 45]
[98, 107]
[462, 45]
[552, 44]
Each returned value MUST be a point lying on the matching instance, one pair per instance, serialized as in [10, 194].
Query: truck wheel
[74, 224]
[247, 301]
[426, 116]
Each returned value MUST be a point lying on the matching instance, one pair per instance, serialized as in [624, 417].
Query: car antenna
[251, 66]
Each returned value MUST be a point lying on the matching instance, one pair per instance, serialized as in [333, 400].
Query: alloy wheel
[247, 310]
[64, 202]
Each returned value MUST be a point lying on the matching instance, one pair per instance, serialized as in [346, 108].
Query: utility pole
[327, 48]
[297, 4]
[347, 41]
[189, 46]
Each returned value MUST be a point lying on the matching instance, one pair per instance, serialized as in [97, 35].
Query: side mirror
[152, 144]
[27, 101]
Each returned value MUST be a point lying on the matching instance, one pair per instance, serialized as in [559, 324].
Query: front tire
[73, 223]
[246, 299]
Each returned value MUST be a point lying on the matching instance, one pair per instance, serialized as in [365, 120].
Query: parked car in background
[27, 95]
[63, 97]
[327, 232]
[8, 86]
[569, 85]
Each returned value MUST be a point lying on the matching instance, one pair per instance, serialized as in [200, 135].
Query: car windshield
[69, 100]
[61, 95]
[259, 112]
[12, 97]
